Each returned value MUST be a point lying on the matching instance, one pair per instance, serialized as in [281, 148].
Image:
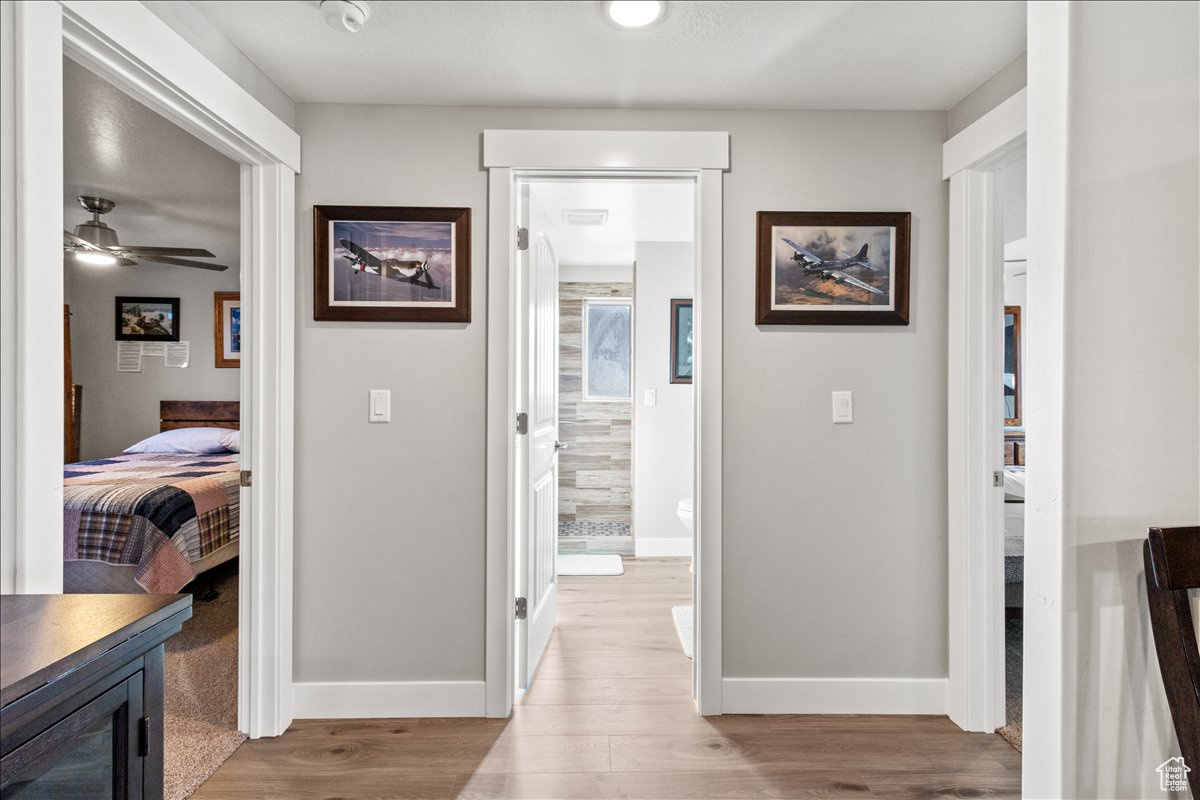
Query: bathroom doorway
[622, 253]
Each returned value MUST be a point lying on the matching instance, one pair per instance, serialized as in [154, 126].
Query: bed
[152, 522]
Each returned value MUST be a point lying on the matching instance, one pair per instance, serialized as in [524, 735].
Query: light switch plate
[843, 408]
[380, 406]
[651, 397]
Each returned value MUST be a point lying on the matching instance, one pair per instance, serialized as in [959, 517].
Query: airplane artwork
[414, 272]
[834, 268]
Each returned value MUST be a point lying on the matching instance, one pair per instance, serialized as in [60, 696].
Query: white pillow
[232, 441]
[183, 440]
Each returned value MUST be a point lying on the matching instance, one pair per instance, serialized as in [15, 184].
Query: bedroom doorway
[154, 396]
[696, 157]
[128, 46]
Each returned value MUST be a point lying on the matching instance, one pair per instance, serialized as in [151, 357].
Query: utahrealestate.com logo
[1172, 775]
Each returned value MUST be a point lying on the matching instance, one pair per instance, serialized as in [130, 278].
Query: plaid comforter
[160, 512]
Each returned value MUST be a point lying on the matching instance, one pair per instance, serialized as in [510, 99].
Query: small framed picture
[681, 340]
[391, 264]
[832, 268]
[227, 329]
[147, 319]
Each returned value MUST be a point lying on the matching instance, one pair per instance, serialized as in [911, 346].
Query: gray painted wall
[991, 93]
[389, 537]
[120, 408]
[664, 435]
[1131, 445]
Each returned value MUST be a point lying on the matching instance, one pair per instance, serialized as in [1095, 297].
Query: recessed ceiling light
[99, 259]
[634, 13]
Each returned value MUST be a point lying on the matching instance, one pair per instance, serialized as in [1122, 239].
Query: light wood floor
[610, 716]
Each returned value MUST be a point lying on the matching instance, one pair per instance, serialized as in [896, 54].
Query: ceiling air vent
[585, 216]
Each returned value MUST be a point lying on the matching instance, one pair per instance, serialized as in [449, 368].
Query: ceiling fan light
[634, 13]
[97, 259]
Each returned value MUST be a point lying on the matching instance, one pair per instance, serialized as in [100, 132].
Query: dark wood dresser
[81, 694]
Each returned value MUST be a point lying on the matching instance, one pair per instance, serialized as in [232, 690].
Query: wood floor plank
[610, 715]
[795, 785]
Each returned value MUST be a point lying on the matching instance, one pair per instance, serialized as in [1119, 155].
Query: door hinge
[522, 238]
[522, 608]
[522, 423]
[246, 478]
[998, 478]
[144, 737]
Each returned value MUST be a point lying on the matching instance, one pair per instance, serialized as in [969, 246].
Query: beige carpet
[1013, 631]
[200, 718]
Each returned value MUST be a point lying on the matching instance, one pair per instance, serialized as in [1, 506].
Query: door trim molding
[975, 553]
[130, 47]
[703, 156]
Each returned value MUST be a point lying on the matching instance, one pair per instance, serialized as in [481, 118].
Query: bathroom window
[607, 350]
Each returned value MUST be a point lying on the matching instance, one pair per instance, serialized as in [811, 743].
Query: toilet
[685, 512]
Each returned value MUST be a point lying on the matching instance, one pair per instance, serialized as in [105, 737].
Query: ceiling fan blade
[183, 262]
[142, 250]
[71, 240]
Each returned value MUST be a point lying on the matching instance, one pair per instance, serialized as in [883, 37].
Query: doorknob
[559, 446]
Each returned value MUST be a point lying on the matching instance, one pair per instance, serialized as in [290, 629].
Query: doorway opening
[153, 344]
[606, 275]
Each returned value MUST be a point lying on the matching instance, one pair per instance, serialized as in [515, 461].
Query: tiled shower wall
[594, 475]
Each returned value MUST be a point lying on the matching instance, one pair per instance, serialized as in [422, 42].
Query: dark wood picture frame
[120, 304]
[833, 314]
[219, 333]
[676, 305]
[1015, 421]
[325, 309]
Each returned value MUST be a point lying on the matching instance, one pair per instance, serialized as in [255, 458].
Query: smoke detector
[585, 216]
[347, 16]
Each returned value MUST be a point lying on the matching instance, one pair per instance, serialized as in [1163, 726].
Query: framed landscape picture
[147, 319]
[391, 264]
[832, 268]
[681, 340]
[227, 329]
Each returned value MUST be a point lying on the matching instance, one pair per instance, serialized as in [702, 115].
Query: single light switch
[651, 397]
[380, 406]
[843, 408]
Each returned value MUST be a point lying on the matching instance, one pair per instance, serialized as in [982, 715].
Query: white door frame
[704, 156]
[975, 686]
[133, 49]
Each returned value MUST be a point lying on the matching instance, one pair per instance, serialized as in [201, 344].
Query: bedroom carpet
[1013, 632]
[200, 717]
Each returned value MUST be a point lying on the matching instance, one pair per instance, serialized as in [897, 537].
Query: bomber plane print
[834, 268]
[414, 272]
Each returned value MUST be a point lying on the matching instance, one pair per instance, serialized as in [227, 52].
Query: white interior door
[539, 510]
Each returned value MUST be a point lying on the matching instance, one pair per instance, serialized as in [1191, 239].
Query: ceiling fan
[95, 243]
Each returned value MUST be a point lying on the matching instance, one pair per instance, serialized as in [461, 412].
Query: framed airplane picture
[391, 264]
[832, 268]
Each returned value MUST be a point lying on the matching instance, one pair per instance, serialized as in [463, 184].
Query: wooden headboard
[174, 414]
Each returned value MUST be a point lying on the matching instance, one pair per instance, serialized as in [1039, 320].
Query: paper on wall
[154, 348]
[129, 356]
[178, 354]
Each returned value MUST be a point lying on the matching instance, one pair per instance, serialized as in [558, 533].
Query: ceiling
[638, 211]
[715, 54]
[170, 188]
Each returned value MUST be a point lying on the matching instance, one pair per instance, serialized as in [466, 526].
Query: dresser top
[44, 636]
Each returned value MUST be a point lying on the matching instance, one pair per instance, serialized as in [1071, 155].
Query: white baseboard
[833, 696]
[399, 699]
[662, 546]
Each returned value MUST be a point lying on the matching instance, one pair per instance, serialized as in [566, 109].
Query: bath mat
[684, 627]
[590, 565]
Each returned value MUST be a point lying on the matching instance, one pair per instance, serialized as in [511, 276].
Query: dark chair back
[1172, 557]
